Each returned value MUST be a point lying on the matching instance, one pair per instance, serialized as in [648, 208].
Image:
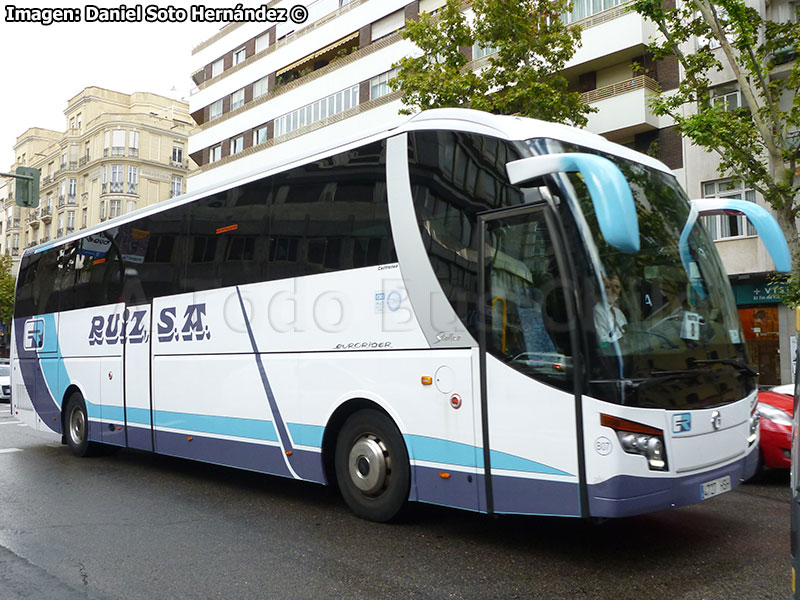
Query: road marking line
[9, 450]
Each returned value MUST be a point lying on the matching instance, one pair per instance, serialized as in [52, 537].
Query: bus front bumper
[626, 495]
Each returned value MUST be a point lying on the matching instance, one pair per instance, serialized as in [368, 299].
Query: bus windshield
[661, 325]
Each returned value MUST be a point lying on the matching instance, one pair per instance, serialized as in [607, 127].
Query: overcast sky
[44, 66]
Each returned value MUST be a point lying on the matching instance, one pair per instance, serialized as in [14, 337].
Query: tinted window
[228, 242]
[455, 176]
[331, 214]
[36, 284]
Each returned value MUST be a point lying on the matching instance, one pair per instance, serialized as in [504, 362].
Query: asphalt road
[132, 525]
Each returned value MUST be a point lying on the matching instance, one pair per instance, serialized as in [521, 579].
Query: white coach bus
[484, 312]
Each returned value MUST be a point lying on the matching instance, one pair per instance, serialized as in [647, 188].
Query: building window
[479, 51]
[79, 120]
[131, 206]
[62, 193]
[262, 42]
[581, 9]
[102, 210]
[118, 142]
[72, 190]
[237, 145]
[217, 67]
[63, 161]
[176, 189]
[239, 56]
[379, 86]
[237, 99]
[321, 109]
[70, 221]
[728, 100]
[104, 179]
[728, 226]
[117, 179]
[177, 156]
[107, 144]
[133, 179]
[260, 135]
[215, 110]
[215, 154]
[84, 218]
[261, 87]
[114, 208]
[133, 145]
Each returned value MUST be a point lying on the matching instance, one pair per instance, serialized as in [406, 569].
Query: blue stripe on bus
[255, 429]
[53, 370]
[466, 455]
[306, 435]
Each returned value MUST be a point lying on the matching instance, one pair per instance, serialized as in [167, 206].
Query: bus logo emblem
[681, 423]
[716, 420]
[34, 334]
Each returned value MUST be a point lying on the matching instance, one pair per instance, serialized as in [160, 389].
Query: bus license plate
[715, 487]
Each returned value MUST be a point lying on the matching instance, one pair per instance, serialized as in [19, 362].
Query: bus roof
[512, 128]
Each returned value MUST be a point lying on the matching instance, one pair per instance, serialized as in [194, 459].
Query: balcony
[83, 160]
[133, 152]
[61, 201]
[46, 214]
[616, 32]
[12, 224]
[623, 108]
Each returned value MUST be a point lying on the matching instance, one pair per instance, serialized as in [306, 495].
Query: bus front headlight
[636, 438]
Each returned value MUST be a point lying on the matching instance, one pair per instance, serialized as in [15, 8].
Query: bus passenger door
[529, 395]
[138, 414]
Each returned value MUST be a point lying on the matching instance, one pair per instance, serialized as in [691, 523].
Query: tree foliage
[757, 142]
[522, 77]
[6, 289]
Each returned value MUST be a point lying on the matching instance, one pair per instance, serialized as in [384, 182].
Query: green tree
[757, 142]
[6, 291]
[524, 75]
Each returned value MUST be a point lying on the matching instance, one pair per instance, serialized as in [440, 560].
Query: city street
[132, 525]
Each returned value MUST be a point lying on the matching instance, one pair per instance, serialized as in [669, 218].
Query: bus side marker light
[119, 428]
[189, 438]
[456, 401]
[444, 475]
[289, 452]
[426, 380]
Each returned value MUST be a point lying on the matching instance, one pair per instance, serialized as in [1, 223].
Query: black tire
[76, 426]
[372, 467]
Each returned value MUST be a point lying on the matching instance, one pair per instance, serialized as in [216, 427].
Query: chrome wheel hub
[77, 426]
[369, 465]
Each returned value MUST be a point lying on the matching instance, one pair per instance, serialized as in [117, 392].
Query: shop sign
[758, 293]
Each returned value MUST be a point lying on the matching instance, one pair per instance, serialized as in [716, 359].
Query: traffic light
[27, 187]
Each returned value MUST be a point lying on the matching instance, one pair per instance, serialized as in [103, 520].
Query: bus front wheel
[76, 426]
[372, 467]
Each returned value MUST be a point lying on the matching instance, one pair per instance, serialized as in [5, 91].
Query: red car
[776, 410]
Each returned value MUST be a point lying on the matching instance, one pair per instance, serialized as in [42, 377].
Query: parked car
[776, 409]
[5, 383]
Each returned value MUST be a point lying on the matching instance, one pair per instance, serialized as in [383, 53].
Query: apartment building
[118, 152]
[266, 92]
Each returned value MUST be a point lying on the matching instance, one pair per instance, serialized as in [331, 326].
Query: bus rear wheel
[372, 467]
[76, 426]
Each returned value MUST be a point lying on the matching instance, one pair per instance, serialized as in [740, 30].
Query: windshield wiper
[736, 363]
